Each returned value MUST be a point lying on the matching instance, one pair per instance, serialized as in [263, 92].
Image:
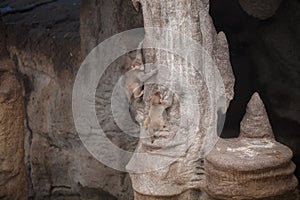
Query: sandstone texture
[46, 51]
[13, 177]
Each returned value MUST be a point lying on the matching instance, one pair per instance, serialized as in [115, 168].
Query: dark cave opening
[256, 69]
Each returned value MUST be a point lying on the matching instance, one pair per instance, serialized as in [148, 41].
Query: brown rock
[13, 180]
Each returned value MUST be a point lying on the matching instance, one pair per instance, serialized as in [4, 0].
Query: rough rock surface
[46, 51]
[13, 179]
[189, 139]
[261, 9]
[251, 166]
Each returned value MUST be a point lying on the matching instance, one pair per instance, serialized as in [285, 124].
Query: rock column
[199, 85]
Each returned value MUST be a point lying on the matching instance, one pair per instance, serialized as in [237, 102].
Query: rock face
[48, 57]
[173, 163]
[251, 166]
[13, 180]
[261, 9]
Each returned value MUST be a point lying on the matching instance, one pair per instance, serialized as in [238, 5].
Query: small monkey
[137, 64]
[134, 80]
[155, 120]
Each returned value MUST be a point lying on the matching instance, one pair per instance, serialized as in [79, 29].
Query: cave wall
[13, 177]
[46, 52]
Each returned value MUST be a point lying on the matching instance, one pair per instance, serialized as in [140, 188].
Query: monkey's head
[156, 98]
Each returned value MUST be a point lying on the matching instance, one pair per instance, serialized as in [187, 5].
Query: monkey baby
[155, 121]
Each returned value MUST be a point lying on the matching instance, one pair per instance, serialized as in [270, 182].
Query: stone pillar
[253, 166]
[199, 85]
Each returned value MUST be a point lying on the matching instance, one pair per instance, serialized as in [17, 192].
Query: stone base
[246, 168]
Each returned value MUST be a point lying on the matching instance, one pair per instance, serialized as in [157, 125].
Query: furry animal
[155, 121]
[134, 80]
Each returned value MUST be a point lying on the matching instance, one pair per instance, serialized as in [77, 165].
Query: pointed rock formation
[256, 116]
